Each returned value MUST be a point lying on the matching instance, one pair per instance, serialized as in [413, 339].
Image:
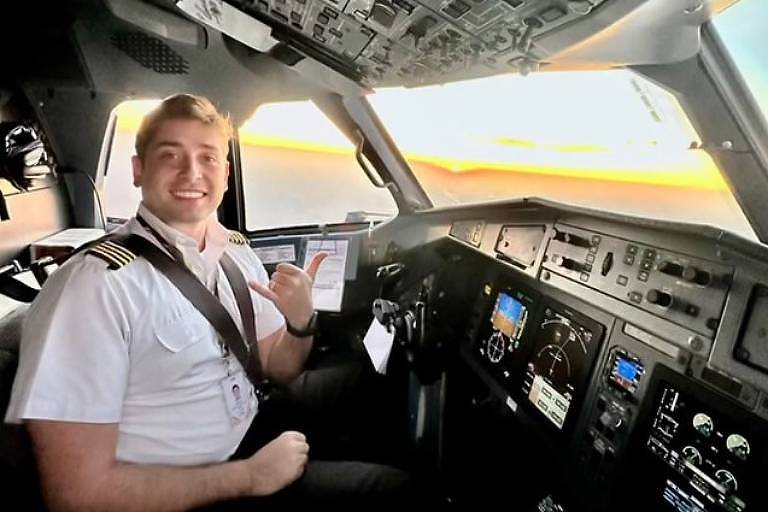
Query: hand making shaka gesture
[290, 289]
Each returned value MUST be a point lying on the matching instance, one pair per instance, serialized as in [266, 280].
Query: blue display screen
[508, 315]
[627, 369]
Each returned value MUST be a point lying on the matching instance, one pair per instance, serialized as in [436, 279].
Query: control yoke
[407, 323]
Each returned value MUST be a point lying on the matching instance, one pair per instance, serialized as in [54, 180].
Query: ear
[137, 170]
[226, 175]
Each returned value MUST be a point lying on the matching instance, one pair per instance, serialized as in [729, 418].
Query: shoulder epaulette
[237, 238]
[113, 253]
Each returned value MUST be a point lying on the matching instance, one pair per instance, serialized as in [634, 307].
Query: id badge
[236, 391]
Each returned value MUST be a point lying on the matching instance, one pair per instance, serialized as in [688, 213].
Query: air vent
[151, 53]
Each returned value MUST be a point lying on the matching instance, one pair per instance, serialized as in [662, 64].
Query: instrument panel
[540, 351]
[685, 289]
[704, 454]
[615, 344]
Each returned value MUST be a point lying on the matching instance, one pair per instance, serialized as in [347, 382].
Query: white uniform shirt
[124, 346]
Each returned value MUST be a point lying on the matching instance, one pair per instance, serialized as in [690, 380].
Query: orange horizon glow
[617, 161]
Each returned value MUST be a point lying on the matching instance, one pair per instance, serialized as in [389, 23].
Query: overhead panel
[410, 42]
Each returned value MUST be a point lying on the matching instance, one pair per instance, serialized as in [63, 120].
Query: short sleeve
[74, 355]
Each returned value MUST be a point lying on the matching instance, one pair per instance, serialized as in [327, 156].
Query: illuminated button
[629, 259]
[636, 297]
[590, 258]
[584, 277]
[649, 253]
[646, 264]
[596, 239]
[631, 249]
[643, 275]
[622, 280]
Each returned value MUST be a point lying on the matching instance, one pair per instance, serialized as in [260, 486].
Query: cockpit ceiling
[419, 42]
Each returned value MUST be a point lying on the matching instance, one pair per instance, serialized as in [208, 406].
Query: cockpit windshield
[603, 139]
[742, 28]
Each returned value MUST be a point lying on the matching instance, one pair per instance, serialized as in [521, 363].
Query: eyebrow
[175, 144]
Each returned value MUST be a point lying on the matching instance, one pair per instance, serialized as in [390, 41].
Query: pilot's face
[184, 172]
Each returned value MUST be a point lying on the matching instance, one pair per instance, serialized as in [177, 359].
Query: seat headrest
[10, 328]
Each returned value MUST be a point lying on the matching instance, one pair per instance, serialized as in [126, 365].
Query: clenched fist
[278, 464]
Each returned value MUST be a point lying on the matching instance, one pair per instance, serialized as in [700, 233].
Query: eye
[168, 155]
[210, 158]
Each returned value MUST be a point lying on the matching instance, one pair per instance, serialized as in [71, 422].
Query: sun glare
[540, 124]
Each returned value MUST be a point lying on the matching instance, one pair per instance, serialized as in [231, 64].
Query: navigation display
[565, 348]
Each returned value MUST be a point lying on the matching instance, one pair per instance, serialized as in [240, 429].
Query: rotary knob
[571, 239]
[695, 275]
[568, 263]
[659, 298]
[670, 268]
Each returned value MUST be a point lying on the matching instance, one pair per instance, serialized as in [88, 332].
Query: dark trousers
[347, 414]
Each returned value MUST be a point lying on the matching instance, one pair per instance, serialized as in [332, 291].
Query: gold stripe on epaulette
[114, 254]
[237, 238]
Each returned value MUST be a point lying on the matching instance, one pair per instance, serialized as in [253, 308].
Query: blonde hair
[180, 106]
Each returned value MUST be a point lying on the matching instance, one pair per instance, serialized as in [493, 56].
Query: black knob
[694, 275]
[668, 267]
[568, 263]
[659, 298]
[611, 420]
[578, 241]
[570, 238]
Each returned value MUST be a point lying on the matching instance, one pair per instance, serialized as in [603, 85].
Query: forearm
[287, 357]
[129, 487]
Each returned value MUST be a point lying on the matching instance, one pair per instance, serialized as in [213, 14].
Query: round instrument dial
[726, 479]
[737, 445]
[495, 347]
[692, 455]
[703, 424]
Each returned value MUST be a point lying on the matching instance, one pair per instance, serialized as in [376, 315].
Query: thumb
[314, 265]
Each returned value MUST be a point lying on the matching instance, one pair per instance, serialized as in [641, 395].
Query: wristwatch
[307, 331]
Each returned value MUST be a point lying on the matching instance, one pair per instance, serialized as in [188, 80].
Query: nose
[190, 169]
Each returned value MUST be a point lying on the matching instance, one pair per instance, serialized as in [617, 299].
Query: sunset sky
[603, 125]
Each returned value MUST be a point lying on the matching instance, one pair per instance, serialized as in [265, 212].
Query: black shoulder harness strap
[119, 250]
[205, 302]
[14, 288]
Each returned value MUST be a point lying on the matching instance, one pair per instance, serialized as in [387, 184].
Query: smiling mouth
[188, 194]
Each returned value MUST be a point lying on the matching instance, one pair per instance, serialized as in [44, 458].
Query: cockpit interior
[550, 354]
